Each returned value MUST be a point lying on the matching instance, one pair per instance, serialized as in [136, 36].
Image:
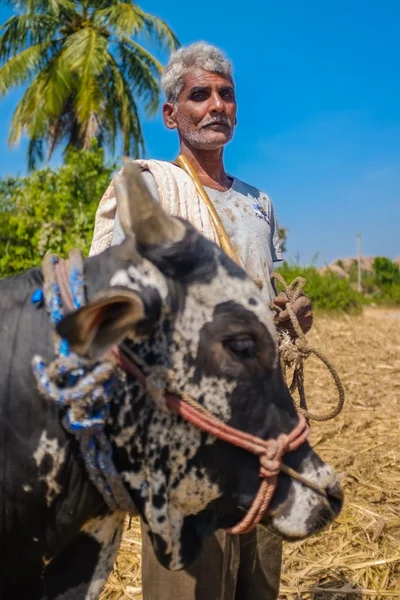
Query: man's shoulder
[250, 190]
[162, 167]
[145, 163]
[166, 164]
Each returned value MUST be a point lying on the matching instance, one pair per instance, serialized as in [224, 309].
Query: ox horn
[140, 213]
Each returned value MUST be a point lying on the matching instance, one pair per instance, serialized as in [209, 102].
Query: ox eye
[242, 346]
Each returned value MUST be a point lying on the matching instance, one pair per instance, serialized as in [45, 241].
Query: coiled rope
[293, 353]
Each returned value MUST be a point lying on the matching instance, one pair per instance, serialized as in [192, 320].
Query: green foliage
[387, 278]
[282, 235]
[386, 272]
[390, 296]
[51, 209]
[85, 72]
[327, 291]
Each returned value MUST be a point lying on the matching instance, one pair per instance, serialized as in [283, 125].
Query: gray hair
[182, 61]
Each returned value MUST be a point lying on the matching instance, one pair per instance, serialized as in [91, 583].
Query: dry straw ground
[358, 557]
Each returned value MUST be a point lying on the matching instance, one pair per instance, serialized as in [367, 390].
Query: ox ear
[98, 326]
[140, 213]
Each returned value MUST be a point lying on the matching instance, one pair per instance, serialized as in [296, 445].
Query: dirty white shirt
[249, 219]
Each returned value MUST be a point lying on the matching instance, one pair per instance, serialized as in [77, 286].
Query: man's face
[205, 114]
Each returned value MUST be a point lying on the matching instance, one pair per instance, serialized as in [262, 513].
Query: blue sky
[318, 86]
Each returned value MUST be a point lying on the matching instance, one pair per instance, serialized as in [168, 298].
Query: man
[201, 106]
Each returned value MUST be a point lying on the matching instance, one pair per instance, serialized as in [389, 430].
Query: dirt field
[359, 556]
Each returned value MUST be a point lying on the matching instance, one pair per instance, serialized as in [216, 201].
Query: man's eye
[242, 346]
[198, 96]
[228, 94]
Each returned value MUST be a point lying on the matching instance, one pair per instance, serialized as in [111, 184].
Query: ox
[183, 307]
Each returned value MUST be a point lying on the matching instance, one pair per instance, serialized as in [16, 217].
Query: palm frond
[57, 7]
[126, 112]
[21, 31]
[141, 78]
[28, 116]
[86, 56]
[57, 83]
[122, 17]
[108, 132]
[159, 30]
[21, 67]
[42, 102]
[35, 152]
[144, 55]
[54, 7]
[85, 51]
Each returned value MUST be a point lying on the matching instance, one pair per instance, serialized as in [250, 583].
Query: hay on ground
[358, 557]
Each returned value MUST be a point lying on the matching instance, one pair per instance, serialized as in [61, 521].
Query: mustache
[221, 120]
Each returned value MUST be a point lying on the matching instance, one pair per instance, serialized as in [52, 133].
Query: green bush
[389, 296]
[326, 291]
[51, 210]
[387, 278]
[380, 284]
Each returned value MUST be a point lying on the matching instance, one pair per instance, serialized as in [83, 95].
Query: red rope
[270, 452]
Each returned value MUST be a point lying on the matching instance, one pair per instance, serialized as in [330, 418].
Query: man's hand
[301, 308]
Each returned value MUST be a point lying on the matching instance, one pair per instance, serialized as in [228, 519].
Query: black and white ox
[183, 307]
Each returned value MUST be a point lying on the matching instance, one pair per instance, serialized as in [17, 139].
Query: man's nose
[217, 104]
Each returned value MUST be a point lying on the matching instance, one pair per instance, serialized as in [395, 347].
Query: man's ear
[169, 115]
[98, 326]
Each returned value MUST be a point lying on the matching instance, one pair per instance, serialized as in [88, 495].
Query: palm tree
[86, 72]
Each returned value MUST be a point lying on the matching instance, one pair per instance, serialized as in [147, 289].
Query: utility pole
[359, 286]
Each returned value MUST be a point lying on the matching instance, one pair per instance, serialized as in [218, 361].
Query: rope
[270, 452]
[85, 388]
[294, 353]
[81, 387]
[252, 443]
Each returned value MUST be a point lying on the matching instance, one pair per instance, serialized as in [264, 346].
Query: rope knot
[303, 348]
[83, 388]
[271, 459]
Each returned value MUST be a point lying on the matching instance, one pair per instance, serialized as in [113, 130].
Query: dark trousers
[230, 567]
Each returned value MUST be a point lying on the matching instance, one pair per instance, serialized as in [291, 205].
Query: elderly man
[201, 106]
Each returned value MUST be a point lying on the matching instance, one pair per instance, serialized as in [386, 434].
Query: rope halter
[82, 385]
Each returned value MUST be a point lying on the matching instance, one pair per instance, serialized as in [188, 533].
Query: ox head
[195, 322]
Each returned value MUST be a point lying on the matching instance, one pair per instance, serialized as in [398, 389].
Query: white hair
[182, 61]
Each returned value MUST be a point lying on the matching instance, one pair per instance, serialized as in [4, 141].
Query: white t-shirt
[249, 220]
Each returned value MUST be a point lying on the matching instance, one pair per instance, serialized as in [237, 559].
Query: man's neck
[208, 166]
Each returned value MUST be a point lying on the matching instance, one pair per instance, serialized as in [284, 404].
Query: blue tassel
[37, 297]
[64, 347]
